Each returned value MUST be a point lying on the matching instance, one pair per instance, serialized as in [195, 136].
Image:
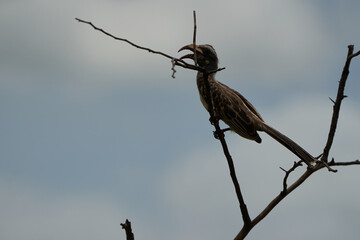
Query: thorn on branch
[332, 100]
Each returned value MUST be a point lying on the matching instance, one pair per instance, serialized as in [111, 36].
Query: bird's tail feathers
[289, 144]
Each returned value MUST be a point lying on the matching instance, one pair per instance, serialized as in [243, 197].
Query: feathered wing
[243, 118]
[245, 101]
[237, 112]
[247, 127]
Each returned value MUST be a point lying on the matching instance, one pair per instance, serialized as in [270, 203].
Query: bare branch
[333, 163]
[128, 230]
[125, 40]
[322, 163]
[327, 166]
[332, 100]
[178, 62]
[339, 98]
[220, 135]
[287, 173]
[194, 38]
[245, 230]
[354, 55]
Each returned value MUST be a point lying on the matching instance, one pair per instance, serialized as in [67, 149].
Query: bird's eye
[207, 61]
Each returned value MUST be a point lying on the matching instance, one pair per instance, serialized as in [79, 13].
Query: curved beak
[191, 48]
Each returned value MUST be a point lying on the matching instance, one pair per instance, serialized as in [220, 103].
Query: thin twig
[287, 173]
[194, 38]
[245, 230]
[327, 166]
[220, 135]
[333, 163]
[178, 62]
[332, 100]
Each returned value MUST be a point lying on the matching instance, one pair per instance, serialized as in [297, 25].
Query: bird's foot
[213, 120]
[217, 134]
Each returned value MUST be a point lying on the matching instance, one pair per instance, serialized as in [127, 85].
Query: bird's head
[205, 54]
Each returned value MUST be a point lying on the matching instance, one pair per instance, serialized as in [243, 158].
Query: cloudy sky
[94, 131]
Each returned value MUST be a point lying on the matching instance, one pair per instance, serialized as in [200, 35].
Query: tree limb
[128, 230]
[178, 62]
[221, 137]
[287, 173]
[321, 164]
[340, 96]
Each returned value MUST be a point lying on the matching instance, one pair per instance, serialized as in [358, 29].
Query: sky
[94, 131]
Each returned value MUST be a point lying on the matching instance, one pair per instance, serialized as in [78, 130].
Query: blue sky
[94, 131]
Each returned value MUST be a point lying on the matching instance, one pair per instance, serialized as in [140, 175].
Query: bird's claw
[217, 134]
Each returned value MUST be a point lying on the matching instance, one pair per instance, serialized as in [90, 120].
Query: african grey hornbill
[231, 107]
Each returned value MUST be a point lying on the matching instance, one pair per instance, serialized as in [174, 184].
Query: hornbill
[231, 107]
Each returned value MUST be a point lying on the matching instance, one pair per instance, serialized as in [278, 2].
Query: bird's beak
[191, 48]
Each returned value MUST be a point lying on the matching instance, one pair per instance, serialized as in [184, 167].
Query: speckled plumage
[226, 103]
[234, 109]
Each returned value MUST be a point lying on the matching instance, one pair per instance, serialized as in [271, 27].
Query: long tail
[289, 144]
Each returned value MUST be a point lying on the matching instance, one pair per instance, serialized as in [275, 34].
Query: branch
[220, 135]
[176, 61]
[194, 38]
[340, 96]
[244, 231]
[128, 230]
[333, 163]
[322, 164]
[287, 173]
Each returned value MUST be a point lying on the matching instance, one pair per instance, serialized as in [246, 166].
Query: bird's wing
[244, 100]
[236, 113]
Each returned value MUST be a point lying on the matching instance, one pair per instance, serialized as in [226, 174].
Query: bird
[233, 108]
